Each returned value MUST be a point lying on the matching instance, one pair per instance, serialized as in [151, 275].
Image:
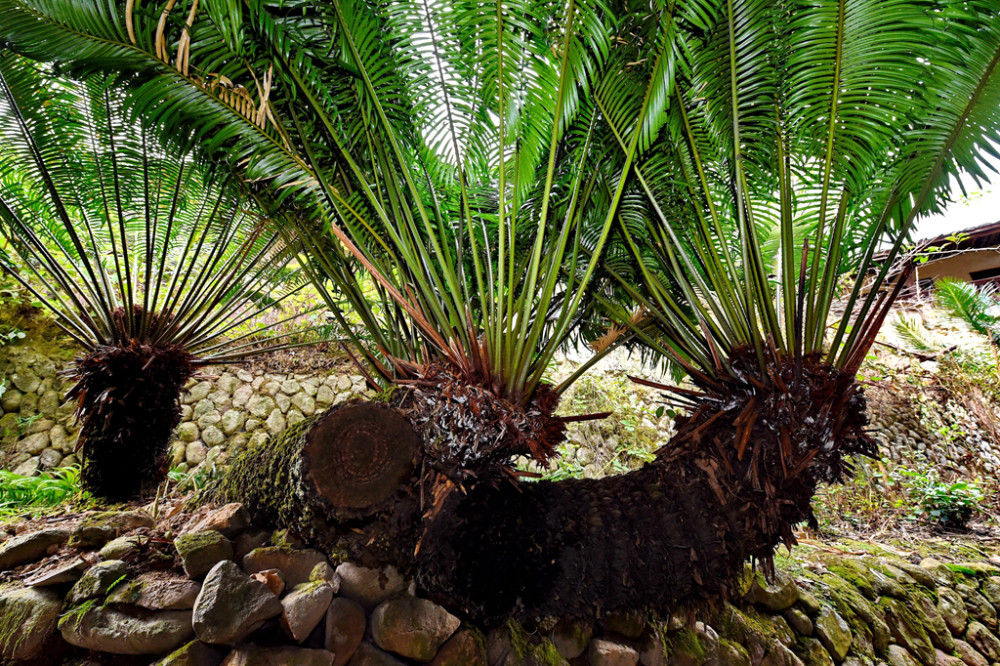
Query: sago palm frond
[149, 260]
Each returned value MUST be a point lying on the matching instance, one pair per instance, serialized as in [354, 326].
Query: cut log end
[358, 456]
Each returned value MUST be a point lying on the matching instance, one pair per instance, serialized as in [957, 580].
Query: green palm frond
[122, 239]
[976, 306]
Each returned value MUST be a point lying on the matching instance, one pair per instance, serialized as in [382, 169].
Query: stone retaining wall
[209, 588]
[230, 407]
[220, 414]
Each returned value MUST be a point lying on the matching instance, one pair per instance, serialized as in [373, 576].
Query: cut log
[348, 464]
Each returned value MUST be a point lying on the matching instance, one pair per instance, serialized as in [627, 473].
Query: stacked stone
[240, 408]
[224, 593]
[36, 427]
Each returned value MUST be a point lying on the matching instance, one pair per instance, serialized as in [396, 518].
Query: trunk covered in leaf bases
[730, 486]
[128, 399]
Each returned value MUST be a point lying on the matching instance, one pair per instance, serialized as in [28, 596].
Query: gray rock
[462, 649]
[980, 637]
[100, 528]
[49, 458]
[200, 551]
[212, 436]
[252, 655]
[833, 632]
[10, 401]
[242, 395]
[194, 653]
[197, 392]
[936, 627]
[952, 610]
[187, 432]
[296, 566]
[779, 655]
[907, 630]
[231, 606]
[944, 659]
[196, 453]
[28, 619]
[229, 520]
[112, 629]
[290, 387]
[977, 605]
[304, 404]
[572, 637]
[62, 572]
[275, 422]
[778, 595]
[261, 406]
[154, 591]
[412, 627]
[34, 444]
[304, 607]
[369, 655]
[232, 421]
[799, 621]
[345, 628]
[25, 380]
[607, 653]
[60, 439]
[118, 548]
[325, 396]
[29, 467]
[812, 653]
[899, 656]
[97, 580]
[990, 589]
[29, 547]
[369, 587]
[969, 654]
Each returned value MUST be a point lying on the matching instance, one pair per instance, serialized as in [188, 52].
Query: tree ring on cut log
[358, 455]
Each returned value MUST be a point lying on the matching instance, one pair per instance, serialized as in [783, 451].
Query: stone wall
[209, 588]
[222, 411]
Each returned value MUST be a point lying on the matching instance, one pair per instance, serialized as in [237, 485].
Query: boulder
[120, 547]
[97, 580]
[779, 655]
[977, 605]
[369, 655]
[629, 625]
[952, 610]
[369, 587]
[57, 574]
[462, 649]
[121, 631]
[908, 631]
[980, 637]
[155, 591]
[230, 605]
[412, 627]
[296, 566]
[98, 529]
[29, 547]
[252, 655]
[776, 595]
[899, 656]
[200, 551]
[969, 654]
[28, 618]
[608, 653]
[799, 621]
[345, 628]
[304, 607]
[572, 637]
[194, 653]
[833, 632]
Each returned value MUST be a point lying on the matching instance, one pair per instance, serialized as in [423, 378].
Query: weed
[48, 489]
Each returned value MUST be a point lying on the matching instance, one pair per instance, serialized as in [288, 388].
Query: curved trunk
[730, 485]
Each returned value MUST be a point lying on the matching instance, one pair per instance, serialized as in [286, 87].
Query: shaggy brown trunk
[128, 399]
[728, 487]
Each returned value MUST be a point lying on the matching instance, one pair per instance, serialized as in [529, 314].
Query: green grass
[26, 494]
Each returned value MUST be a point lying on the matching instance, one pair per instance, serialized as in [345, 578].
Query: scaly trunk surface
[729, 486]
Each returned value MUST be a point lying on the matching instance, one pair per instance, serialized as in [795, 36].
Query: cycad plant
[496, 175]
[147, 259]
